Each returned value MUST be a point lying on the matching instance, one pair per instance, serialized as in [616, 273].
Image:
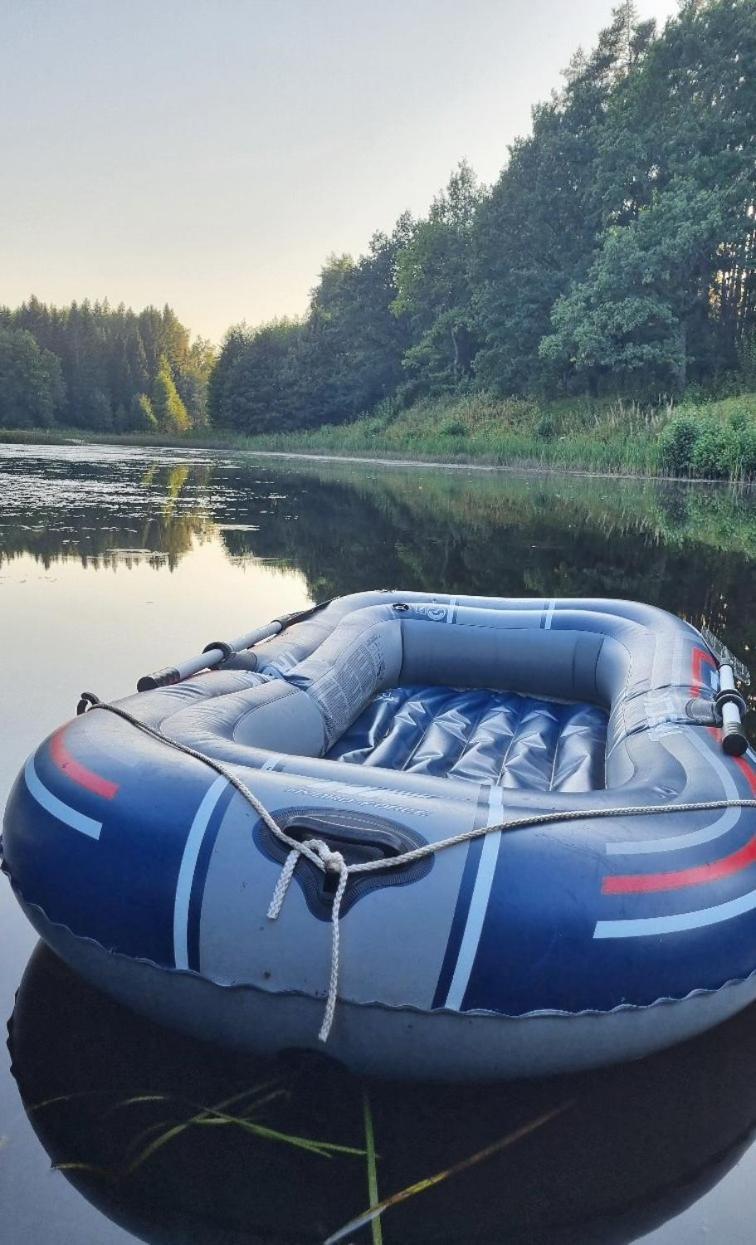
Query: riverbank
[715, 440]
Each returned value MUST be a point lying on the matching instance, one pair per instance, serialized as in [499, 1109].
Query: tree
[141, 416]
[254, 387]
[110, 358]
[627, 324]
[31, 382]
[537, 232]
[690, 116]
[434, 288]
[221, 382]
[193, 378]
[168, 409]
[343, 359]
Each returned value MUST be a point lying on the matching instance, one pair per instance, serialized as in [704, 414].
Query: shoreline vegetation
[707, 441]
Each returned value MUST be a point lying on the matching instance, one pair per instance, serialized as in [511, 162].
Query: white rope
[332, 862]
[318, 852]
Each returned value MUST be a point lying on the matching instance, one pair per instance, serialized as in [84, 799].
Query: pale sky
[212, 153]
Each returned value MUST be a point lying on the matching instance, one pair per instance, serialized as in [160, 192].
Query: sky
[212, 153]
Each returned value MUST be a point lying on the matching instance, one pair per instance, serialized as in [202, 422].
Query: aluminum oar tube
[218, 650]
[212, 656]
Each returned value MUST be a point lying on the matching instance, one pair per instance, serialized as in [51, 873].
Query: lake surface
[114, 562]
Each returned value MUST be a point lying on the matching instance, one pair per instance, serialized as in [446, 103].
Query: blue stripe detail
[478, 907]
[188, 867]
[62, 812]
[200, 878]
[461, 911]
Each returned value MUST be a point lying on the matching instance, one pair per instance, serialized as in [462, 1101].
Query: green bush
[454, 428]
[716, 443]
[546, 426]
[677, 441]
[715, 450]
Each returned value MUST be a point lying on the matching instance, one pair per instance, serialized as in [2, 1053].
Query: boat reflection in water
[111, 1098]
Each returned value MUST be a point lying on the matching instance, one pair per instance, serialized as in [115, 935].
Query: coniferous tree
[109, 358]
[31, 382]
[169, 411]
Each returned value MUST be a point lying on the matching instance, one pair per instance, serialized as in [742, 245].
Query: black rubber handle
[734, 740]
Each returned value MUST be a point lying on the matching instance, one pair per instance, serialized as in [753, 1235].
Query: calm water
[115, 562]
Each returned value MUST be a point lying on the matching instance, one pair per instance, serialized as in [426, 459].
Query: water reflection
[102, 515]
[636, 1146]
[348, 527]
[687, 550]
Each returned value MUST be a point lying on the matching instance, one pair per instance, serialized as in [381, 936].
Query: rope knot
[334, 862]
[319, 853]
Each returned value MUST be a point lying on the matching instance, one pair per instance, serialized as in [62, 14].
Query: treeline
[615, 254]
[101, 368]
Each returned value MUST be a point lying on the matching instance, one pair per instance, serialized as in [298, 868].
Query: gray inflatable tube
[383, 722]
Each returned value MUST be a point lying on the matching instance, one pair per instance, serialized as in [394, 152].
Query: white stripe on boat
[51, 803]
[186, 872]
[641, 927]
[680, 842]
[478, 903]
[549, 614]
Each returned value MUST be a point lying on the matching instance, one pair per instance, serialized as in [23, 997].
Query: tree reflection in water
[347, 527]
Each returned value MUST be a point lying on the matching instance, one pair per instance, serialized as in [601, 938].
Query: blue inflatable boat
[448, 837]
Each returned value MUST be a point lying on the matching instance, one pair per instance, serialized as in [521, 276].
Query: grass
[709, 440]
[596, 436]
[239, 1111]
[371, 1216]
[234, 1111]
[372, 1168]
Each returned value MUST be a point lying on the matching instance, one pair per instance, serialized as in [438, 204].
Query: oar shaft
[212, 656]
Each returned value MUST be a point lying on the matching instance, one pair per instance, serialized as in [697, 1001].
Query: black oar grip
[734, 740]
[161, 678]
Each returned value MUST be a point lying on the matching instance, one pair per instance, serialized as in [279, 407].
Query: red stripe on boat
[77, 772]
[749, 771]
[640, 883]
[743, 763]
[700, 659]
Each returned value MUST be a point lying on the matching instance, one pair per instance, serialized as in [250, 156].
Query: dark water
[114, 562]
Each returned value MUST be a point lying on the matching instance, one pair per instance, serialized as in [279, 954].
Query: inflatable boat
[433, 837]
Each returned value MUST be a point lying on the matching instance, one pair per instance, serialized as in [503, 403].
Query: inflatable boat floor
[483, 736]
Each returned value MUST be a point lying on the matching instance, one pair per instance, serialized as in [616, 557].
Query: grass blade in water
[372, 1171]
[421, 1185]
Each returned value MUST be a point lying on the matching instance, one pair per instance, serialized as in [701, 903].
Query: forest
[614, 254]
[92, 367]
[614, 257]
